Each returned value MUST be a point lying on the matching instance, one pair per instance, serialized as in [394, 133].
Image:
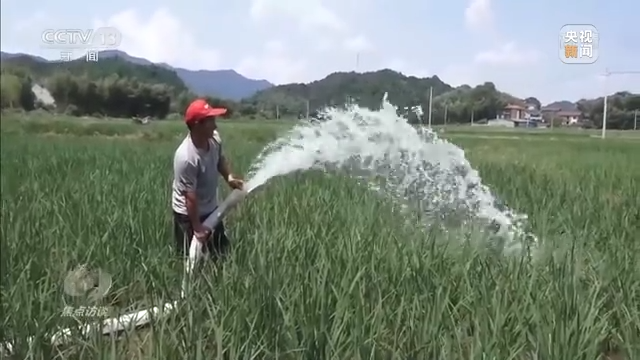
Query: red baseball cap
[199, 109]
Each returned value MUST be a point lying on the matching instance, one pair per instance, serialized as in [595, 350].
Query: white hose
[143, 317]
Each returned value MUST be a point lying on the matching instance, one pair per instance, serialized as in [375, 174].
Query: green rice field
[321, 267]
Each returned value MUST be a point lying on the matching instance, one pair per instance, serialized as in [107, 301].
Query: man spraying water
[196, 165]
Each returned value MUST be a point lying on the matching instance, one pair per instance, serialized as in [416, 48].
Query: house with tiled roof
[521, 115]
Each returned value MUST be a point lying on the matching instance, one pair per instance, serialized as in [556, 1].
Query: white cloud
[479, 15]
[501, 58]
[36, 21]
[358, 44]
[508, 54]
[313, 29]
[161, 37]
[310, 14]
[273, 63]
[24, 35]
[323, 43]
[323, 36]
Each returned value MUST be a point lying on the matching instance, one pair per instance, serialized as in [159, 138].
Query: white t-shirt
[196, 169]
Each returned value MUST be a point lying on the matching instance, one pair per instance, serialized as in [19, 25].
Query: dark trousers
[216, 245]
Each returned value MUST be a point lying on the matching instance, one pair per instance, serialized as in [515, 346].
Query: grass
[321, 268]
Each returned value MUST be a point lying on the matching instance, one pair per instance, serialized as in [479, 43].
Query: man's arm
[223, 165]
[187, 176]
[224, 168]
[225, 171]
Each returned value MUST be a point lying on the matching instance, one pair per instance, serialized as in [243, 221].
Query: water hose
[143, 317]
[196, 246]
[223, 209]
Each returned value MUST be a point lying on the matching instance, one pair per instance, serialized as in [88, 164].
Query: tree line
[117, 88]
[115, 94]
[622, 109]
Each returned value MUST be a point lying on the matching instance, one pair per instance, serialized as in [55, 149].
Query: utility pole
[277, 112]
[446, 107]
[606, 97]
[606, 101]
[635, 120]
[604, 116]
[430, 104]
[357, 65]
[307, 110]
[472, 113]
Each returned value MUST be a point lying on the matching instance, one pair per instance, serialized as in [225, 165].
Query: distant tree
[27, 98]
[533, 101]
[620, 110]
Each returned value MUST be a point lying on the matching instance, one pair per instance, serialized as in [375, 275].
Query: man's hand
[235, 183]
[201, 233]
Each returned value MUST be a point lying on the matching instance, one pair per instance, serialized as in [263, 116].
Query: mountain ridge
[229, 84]
[156, 89]
[224, 83]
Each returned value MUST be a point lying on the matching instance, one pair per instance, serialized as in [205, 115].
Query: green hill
[366, 89]
[152, 74]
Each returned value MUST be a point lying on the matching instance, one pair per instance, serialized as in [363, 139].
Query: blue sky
[511, 43]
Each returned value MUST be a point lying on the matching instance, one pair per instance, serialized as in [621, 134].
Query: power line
[630, 72]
